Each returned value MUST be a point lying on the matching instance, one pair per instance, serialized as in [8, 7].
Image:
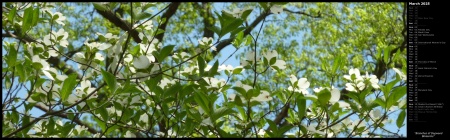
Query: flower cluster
[359, 82]
[299, 85]
[270, 58]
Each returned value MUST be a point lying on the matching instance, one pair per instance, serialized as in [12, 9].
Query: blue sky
[225, 53]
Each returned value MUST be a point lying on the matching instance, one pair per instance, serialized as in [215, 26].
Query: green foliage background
[318, 41]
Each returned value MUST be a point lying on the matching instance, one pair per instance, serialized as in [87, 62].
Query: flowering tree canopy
[199, 69]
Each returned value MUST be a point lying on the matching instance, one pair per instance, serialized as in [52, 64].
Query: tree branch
[52, 60]
[247, 31]
[63, 115]
[302, 13]
[167, 15]
[206, 15]
[124, 25]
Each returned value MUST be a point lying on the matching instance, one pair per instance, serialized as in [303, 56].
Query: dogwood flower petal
[303, 83]
[280, 64]
[142, 62]
[207, 122]
[276, 9]
[335, 95]
[263, 97]
[400, 73]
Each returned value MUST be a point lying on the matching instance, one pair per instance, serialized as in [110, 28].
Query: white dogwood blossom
[214, 83]
[400, 73]
[300, 85]
[276, 9]
[237, 12]
[335, 95]
[231, 97]
[206, 41]
[312, 128]
[141, 62]
[263, 97]
[250, 59]
[97, 45]
[358, 82]
[244, 86]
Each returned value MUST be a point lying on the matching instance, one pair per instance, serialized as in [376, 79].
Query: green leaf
[284, 129]
[255, 103]
[158, 92]
[280, 3]
[213, 70]
[240, 90]
[100, 7]
[101, 123]
[246, 13]
[387, 88]
[222, 132]
[113, 5]
[135, 50]
[159, 31]
[174, 89]
[201, 65]
[380, 102]
[35, 18]
[15, 116]
[110, 81]
[202, 101]
[70, 115]
[220, 112]
[127, 113]
[51, 125]
[11, 15]
[143, 15]
[372, 105]
[386, 55]
[301, 106]
[364, 93]
[236, 31]
[272, 126]
[153, 82]
[390, 101]
[237, 70]
[27, 20]
[334, 107]
[272, 61]
[401, 118]
[238, 100]
[238, 39]
[264, 5]
[398, 93]
[165, 52]
[324, 96]
[67, 87]
[148, 5]
[130, 88]
[112, 128]
[67, 128]
[336, 64]
[194, 114]
[103, 112]
[232, 26]
[227, 18]
[21, 72]
[12, 56]
[353, 96]
[215, 29]
[354, 106]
